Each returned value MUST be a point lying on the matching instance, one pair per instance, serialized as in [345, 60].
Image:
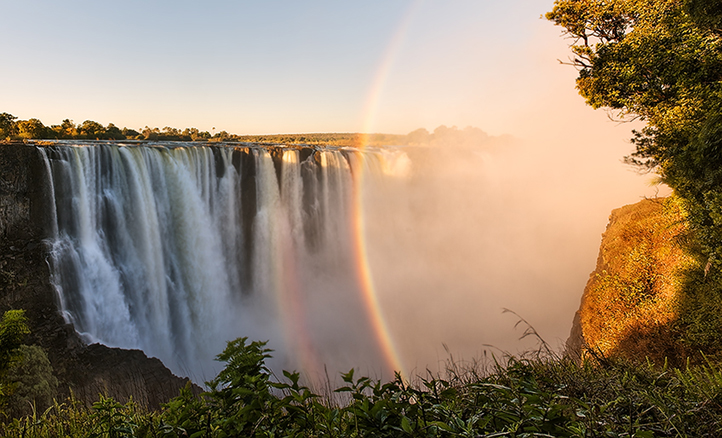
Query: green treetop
[659, 61]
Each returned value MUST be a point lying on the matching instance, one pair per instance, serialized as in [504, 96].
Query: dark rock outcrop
[86, 370]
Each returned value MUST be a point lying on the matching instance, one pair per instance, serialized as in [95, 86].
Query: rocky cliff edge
[631, 302]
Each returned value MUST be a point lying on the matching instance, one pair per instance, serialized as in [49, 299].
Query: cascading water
[177, 249]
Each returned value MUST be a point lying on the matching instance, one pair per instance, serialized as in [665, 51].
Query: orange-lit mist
[458, 234]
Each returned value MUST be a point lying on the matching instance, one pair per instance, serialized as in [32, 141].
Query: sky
[252, 67]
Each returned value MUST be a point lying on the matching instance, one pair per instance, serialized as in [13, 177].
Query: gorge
[174, 249]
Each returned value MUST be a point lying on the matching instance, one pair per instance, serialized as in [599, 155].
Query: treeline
[33, 129]
[330, 139]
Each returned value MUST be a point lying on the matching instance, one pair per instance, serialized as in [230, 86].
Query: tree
[34, 384]
[13, 328]
[659, 61]
[170, 133]
[130, 133]
[7, 125]
[150, 133]
[112, 132]
[68, 129]
[196, 135]
[224, 136]
[418, 137]
[645, 58]
[91, 130]
[31, 129]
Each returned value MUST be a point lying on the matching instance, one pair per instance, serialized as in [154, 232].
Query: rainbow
[289, 300]
[390, 351]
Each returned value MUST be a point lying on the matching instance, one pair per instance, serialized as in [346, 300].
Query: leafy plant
[541, 396]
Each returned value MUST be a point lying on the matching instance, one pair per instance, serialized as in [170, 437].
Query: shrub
[34, 386]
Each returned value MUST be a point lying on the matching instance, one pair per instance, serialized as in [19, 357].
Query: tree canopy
[13, 129]
[659, 61]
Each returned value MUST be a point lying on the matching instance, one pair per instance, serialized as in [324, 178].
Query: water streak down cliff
[175, 250]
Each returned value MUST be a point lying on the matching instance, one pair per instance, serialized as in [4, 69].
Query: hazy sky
[252, 67]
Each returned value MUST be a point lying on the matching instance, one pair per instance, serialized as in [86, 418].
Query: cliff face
[631, 303]
[25, 284]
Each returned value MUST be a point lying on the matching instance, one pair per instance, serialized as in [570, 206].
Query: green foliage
[67, 129]
[706, 13]
[106, 419]
[241, 393]
[541, 397]
[13, 328]
[33, 128]
[653, 60]
[188, 415]
[7, 125]
[91, 130]
[700, 312]
[645, 57]
[34, 386]
[195, 135]
[112, 132]
[244, 401]
[112, 419]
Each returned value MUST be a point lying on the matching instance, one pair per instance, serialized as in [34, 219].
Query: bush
[33, 385]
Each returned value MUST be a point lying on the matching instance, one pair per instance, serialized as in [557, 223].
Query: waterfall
[379, 260]
[176, 249]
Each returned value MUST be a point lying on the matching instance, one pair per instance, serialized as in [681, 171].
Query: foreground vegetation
[541, 396]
